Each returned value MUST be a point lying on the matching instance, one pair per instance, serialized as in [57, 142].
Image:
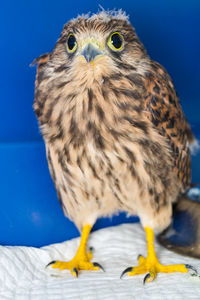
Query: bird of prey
[115, 134]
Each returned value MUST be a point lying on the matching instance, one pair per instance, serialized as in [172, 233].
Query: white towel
[23, 275]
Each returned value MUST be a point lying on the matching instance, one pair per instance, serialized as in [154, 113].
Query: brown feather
[165, 112]
[115, 134]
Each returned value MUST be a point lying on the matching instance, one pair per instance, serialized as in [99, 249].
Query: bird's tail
[183, 235]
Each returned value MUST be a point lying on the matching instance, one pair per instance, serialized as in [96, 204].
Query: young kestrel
[115, 134]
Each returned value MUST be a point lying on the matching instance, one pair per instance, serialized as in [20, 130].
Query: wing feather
[165, 112]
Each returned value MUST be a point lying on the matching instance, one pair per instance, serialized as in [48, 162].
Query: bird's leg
[81, 260]
[151, 264]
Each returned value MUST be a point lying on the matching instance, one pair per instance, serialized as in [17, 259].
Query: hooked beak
[90, 52]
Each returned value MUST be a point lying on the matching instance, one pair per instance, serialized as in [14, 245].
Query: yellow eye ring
[71, 43]
[115, 42]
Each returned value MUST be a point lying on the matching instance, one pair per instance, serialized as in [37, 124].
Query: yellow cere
[95, 42]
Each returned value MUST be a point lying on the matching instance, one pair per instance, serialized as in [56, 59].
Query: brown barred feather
[115, 134]
[164, 110]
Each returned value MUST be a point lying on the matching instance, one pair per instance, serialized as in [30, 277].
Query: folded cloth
[23, 275]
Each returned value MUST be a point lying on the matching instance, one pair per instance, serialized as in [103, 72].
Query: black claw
[191, 268]
[51, 263]
[146, 277]
[139, 256]
[95, 264]
[76, 271]
[129, 269]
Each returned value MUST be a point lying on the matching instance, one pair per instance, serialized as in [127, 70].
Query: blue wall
[170, 30]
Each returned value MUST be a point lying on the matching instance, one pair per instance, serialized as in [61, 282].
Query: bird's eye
[115, 41]
[71, 43]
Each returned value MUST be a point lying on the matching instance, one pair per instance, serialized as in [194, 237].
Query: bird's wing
[40, 62]
[163, 108]
[41, 59]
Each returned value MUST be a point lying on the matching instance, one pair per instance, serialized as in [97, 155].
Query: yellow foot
[153, 267]
[79, 262]
[151, 264]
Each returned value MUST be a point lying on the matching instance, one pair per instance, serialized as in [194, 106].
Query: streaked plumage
[115, 134]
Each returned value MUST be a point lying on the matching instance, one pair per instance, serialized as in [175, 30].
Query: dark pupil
[116, 40]
[71, 42]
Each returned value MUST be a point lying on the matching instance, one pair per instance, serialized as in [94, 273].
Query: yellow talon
[151, 264]
[81, 260]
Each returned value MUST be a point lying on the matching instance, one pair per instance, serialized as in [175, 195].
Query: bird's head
[92, 47]
[90, 63]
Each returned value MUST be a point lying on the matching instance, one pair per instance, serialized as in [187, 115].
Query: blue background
[170, 30]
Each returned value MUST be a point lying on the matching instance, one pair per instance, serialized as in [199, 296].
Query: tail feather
[183, 235]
